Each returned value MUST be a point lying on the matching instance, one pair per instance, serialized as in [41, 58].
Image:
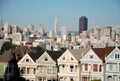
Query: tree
[37, 49]
[6, 46]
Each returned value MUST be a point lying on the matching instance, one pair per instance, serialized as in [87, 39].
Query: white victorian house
[27, 67]
[113, 65]
[93, 63]
[69, 69]
[47, 66]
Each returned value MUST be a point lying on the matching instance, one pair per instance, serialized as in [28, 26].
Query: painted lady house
[93, 64]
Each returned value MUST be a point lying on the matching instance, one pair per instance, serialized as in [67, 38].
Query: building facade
[83, 24]
[68, 65]
[112, 62]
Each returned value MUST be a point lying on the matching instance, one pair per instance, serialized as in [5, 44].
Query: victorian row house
[101, 64]
[40, 66]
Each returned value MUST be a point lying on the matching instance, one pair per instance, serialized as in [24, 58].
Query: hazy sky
[36, 12]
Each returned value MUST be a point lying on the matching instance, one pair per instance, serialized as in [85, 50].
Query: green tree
[37, 49]
[6, 46]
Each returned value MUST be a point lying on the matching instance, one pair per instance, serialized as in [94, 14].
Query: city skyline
[25, 12]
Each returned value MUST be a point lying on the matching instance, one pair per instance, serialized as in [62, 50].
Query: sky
[43, 12]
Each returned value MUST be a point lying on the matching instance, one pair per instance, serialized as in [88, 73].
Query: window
[23, 70]
[86, 67]
[28, 69]
[119, 67]
[117, 56]
[100, 68]
[76, 68]
[63, 66]
[34, 71]
[54, 69]
[91, 56]
[46, 59]
[49, 80]
[41, 69]
[111, 67]
[71, 68]
[71, 79]
[63, 58]
[95, 67]
[53, 79]
[27, 60]
[40, 79]
[72, 58]
[49, 70]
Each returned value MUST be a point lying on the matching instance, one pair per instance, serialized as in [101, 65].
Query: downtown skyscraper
[56, 27]
[83, 24]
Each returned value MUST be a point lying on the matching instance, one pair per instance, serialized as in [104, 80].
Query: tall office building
[97, 32]
[55, 27]
[83, 24]
[64, 33]
[63, 30]
[7, 28]
[118, 30]
[41, 30]
[106, 31]
[31, 28]
[15, 29]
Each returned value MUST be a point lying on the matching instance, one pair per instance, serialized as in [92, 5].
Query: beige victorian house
[28, 67]
[47, 66]
[69, 65]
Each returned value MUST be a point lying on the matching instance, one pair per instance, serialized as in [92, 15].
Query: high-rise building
[15, 29]
[83, 24]
[106, 31]
[118, 30]
[56, 27]
[7, 28]
[63, 30]
[31, 28]
[64, 33]
[41, 30]
[51, 34]
[97, 32]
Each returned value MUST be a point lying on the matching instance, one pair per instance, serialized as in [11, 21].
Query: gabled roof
[55, 54]
[103, 52]
[35, 56]
[78, 53]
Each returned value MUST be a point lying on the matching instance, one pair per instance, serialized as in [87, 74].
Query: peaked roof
[55, 54]
[103, 52]
[35, 56]
[78, 53]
